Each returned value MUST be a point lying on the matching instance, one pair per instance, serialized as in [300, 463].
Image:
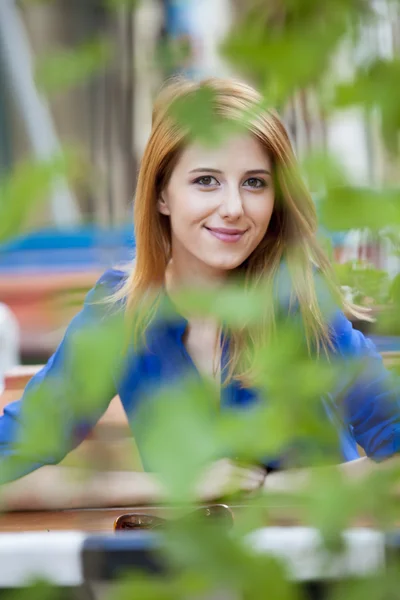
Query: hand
[225, 477]
[290, 481]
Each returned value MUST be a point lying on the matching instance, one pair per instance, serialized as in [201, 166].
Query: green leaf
[323, 171]
[172, 54]
[234, 305]
[269, 43]
[66, 68]
[35, 590]
[94, 354]
[195, 115]
[227, 562]
[360, 208]
[118, 4]
[376, 586]
[26, 188]
[365, 281]
[182, 421]
[372, 87]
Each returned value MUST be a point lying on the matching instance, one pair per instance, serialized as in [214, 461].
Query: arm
[294, 480]
[370, 402]
[57, 409]
[55, 488]
[66, 398]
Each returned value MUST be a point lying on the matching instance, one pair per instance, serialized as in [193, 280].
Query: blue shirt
[369, 412]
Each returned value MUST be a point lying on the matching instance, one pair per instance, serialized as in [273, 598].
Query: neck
[180, 275]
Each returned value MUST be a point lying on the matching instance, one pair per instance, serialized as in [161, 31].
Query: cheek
[261, 213]
[191, 206]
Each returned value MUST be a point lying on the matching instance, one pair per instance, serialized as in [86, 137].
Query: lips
[226, 234]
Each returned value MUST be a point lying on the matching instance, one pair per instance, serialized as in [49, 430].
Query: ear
[162, 205]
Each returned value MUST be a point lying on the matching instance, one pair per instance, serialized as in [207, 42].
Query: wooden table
[101, 520]
[112, 432]
[89, 520]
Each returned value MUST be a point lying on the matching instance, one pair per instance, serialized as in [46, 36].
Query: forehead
[241, 152]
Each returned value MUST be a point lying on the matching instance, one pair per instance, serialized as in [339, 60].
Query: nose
[231, 207]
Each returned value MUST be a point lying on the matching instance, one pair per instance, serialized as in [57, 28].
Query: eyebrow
[251, 172]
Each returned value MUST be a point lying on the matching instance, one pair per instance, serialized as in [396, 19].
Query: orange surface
[113, 419]
[17, 378]
[90, 520]
[110, 444]
[40, 304]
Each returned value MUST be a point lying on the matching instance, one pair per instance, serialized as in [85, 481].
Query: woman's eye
[255, 182]
[206, 180]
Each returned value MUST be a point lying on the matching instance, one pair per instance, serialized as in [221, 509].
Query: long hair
[290, 237]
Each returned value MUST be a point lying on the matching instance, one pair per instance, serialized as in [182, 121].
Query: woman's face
[219, 201]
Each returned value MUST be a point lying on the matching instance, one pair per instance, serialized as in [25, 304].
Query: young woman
[202, 215]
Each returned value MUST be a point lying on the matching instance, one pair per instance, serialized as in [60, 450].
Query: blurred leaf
[172, 55]
[331, 505]
[270, 44]
[95, 353]
[28, 2]
[378, 496]
[394, 293]
[117, 4]
[393, 237]
[39, 590]
[61, 70]
[143, 586]
[234, 305]
[372, 88]
[182, 421]
[228, 563]
[388, 322]
[323, 172]
[195, 114]
[42, 439]
[73, 398]
[335, 500]
[360, 208]
[28, 186]
[366, 282]
[382, 585]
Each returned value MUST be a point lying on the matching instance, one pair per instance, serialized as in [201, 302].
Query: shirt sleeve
[368, 395]
[65, 399]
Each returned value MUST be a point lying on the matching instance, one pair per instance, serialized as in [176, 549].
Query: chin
[226, 266]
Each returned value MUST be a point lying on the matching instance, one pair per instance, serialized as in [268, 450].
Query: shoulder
[98, 329]
[102, 301]
[110, 282]
[106, 297]
[348, 341]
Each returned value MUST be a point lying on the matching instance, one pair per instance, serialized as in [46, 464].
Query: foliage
[63, 69]
[369, 285]
[27, 188]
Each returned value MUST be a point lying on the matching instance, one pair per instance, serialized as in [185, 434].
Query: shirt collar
[167, 316]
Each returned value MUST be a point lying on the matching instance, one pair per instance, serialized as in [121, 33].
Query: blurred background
[81, 75]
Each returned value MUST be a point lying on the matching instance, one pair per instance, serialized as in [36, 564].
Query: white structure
[9, 342]
[33, 107]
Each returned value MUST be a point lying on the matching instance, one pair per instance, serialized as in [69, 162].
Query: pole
[17, 56]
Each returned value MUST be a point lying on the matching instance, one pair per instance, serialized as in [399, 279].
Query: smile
[230, 236]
